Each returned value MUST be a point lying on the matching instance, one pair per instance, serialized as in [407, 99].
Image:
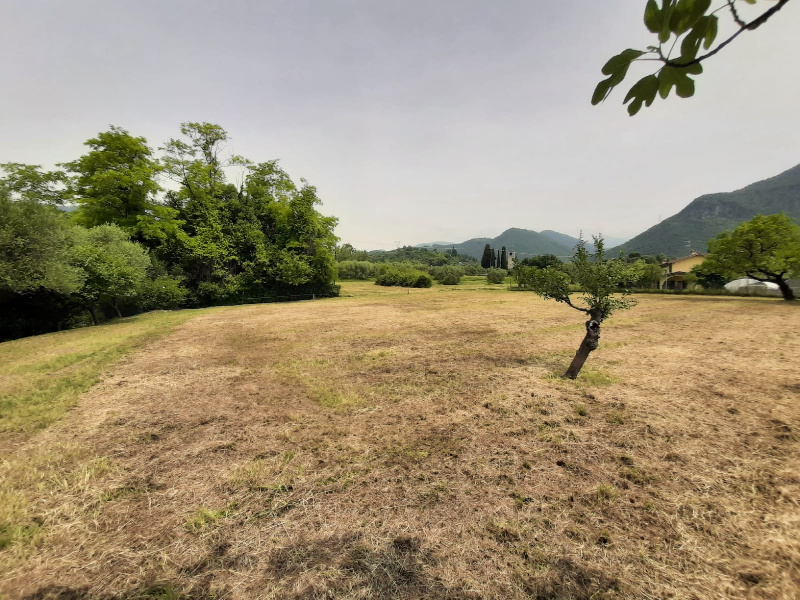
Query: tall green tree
[603, 283]
[29, 182]
[115, 182]
[765, 248]
[486, 259]
[503, 258]
[686, 32]
[197, 164]
[348, 252]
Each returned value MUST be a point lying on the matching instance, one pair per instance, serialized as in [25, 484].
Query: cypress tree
[486, 259]
[503, 259]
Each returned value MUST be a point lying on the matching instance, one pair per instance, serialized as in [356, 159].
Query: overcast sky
[417, 120]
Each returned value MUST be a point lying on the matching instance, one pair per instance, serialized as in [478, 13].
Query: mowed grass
[398, 443]
[42, 376]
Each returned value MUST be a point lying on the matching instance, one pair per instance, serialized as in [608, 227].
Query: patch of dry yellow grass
[418, 445]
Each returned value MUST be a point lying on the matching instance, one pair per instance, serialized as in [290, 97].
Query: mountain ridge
[524, 242]
[708, 215]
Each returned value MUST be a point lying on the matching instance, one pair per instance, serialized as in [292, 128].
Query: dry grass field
[422, 444]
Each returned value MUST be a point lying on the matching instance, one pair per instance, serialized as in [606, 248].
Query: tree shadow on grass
[344, 565]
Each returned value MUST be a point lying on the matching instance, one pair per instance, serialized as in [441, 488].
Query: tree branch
[570, 304]
[735, 14]
[754, 24]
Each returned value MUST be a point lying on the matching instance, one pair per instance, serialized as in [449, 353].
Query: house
[673, 271]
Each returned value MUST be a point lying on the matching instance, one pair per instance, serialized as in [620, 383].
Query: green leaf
[670, 77]
[686, 13]
[652, 16]
[643, 91]
[668, 6]
[684, 86]
[604, 88]
[616, 67]
[711, 31]
[602, 91]
[690, 46]
[622, 60]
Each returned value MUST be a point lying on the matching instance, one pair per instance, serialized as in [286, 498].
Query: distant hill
[708, 216]
[560, 238]
[522, 241]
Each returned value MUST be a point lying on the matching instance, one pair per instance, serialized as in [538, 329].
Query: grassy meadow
[396, 443]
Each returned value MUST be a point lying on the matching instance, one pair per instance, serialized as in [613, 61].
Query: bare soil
[423, 445]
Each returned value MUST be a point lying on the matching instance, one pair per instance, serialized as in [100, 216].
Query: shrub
[496, 275]
[163, 292]
[447, 275]
[404, 276]
[473, 269]
[357, 269]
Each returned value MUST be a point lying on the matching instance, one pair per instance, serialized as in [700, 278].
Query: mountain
[522, 241]
[708, 216]
[560, 238]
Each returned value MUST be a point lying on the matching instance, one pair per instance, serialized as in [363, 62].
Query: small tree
[600, 279]
[649, 274]
[486, 259]
[113, 268]
[765, 248]
[115, 181]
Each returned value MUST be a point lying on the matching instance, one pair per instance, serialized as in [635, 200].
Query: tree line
[494, 259]
[121, 229]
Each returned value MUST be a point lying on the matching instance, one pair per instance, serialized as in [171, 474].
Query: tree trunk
[787, 292]
[589, 343]
[93, 312]
[116, 308]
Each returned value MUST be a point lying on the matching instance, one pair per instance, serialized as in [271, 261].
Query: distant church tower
[512, 258]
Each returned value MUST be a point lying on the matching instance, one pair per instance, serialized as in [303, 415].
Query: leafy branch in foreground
[693, 23]
[603, 283]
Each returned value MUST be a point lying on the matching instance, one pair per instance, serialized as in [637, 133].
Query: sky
[417, 121]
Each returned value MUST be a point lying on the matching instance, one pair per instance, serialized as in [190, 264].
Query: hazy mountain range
[691, 229]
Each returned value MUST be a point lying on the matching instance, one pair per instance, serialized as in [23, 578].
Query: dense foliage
[766, 248]
[426, 256]
[447, 274]
[541, 261]
[404, 276]
[357, 269]
[151, 232]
